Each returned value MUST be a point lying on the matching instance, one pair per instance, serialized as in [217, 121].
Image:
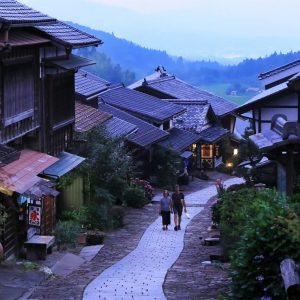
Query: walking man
[178, 204]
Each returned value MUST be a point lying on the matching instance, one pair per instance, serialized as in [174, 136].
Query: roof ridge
[160, 79]
[189, 101]
[279, 69]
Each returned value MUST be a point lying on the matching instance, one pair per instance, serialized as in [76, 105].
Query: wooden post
[291, 278]
[290, 172]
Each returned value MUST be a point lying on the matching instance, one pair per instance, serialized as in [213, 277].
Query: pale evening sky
[190, 28]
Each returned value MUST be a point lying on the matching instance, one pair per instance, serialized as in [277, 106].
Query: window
[207, 151]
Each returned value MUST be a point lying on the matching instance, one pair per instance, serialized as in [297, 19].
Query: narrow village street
[140, 261]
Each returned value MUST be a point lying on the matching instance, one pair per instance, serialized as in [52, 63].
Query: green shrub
[117, 216]
[134, 196]
[258, 230]
[116, 187]
[66, 233]
[256, 261]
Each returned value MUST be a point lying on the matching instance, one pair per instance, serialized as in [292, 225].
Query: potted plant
[3, 216]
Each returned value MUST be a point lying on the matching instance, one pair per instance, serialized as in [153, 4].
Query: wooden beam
[291, 278]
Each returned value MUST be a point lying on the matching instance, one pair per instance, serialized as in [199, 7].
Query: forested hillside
[121, 60]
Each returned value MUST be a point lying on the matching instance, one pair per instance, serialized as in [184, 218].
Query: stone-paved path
[141, 274]
[117, 244]
[190, 278]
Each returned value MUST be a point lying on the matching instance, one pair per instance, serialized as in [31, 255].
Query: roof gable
[173, 87]
[197, 117]
[141, 104]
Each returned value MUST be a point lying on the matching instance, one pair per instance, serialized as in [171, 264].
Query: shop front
[29, 200]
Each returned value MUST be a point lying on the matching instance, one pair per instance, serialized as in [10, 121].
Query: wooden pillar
[291, 278]
[290, 172]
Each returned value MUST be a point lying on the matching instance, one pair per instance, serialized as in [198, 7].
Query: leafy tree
[107, 169]
[165, 166]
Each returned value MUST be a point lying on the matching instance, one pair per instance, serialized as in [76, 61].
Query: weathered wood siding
[19, 93]
[10, 235]
[60, 103]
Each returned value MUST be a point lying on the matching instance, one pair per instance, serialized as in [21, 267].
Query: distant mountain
[133, 62]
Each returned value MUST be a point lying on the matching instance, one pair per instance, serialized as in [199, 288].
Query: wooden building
[200, 119]
[37, 110]
[275, 118]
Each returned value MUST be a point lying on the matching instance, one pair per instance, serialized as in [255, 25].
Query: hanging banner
[34, 215]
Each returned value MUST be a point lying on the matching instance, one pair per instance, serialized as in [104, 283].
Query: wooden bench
[38, 246]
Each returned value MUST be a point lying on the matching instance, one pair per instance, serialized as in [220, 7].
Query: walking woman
[165, 209]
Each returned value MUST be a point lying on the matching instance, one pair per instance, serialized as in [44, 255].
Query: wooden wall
[19, 93]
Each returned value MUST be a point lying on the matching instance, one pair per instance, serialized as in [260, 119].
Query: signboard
[34, 215]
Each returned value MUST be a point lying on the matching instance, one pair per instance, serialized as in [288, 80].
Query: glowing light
[235, 151]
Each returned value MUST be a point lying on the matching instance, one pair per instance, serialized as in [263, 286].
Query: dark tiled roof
[141, 104]
[66, 163]
[279, 69]
[116, 127]
[18, 14]
[68, 35]
[175, 88]
[196, 116]
[213, 134]
[87, 117]
[146, 134]
[88, 85]
[179, 140]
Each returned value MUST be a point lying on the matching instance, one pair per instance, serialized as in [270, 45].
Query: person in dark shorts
[165, 209]
[178, 204]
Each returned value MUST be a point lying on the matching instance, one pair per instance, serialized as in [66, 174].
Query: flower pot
[81, 238]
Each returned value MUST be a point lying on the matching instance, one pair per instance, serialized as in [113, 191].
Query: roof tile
[173, 87]
[146, 134]
[16, 13]
[141, 104]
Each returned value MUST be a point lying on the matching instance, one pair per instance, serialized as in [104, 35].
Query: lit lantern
[235, 151]
[229, 164]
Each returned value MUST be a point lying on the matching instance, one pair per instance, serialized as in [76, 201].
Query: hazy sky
[191, 28]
